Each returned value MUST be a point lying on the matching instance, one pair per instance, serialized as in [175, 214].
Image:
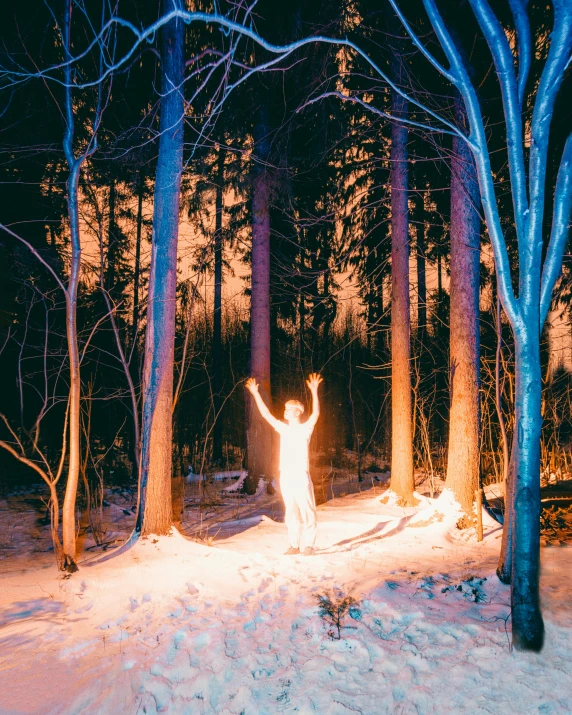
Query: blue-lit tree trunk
[526, 312]
[155, 512]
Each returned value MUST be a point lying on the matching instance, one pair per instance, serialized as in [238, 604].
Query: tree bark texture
[527, 623]
[112, 238]
[402, 479]
[137, 272]
[217, 315]
[505, 559]
[504, 568]
[259, 436]
[156, 461]
[420, 249]
[68, 512]
[463, 461]
[68, 561]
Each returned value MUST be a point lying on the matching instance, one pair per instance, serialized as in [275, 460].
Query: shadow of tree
[374, 534]
[33, 610]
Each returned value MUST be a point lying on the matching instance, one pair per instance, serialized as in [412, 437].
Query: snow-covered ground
[228, 624]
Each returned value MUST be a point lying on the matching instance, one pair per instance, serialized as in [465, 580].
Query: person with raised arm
[295, 483]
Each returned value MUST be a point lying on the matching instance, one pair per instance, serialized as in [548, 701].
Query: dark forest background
[328, 174]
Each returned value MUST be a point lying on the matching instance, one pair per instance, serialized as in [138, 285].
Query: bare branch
[420, 46]
[36, 254]
[26, 461]
[560, 229]
[520, 17]
[504, 65]
[482, 161]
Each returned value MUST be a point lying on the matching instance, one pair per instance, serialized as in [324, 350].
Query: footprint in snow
[427, 585]
[264, 585]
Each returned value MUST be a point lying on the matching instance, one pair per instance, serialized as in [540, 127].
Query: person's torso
[294, 441]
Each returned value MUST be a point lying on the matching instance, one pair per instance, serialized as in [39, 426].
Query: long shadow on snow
[223, 526]
[34, 610]
[373, 534]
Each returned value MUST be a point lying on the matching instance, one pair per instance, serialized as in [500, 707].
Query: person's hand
[251, 385]
[313, 381]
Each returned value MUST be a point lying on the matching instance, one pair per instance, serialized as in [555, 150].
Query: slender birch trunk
[155, 512]
[68, 510]
[463, 460]
[402, 479]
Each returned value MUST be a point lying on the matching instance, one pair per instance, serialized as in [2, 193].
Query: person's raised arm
[252, 387]
[313, 383]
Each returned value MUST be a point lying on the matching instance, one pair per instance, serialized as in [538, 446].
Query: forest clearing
[286, 356]
[225, 623]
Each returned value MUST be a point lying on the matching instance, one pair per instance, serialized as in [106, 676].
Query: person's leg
[292, 518]
[306, 503]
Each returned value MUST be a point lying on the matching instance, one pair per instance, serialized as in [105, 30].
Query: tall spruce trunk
[134, 360]
[217, 315]
[112, 246]
[259, 436]
[137, 272]
[402, 479]
[421, 261]
[155, 515]
[463, 458]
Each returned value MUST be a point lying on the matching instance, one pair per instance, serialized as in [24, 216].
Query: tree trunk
[301, 325]
[402, 479]
[259, 437]
[217, 316]
[68, 560]
[505, 559]
[54, 509]
[439, 282]
[527, 624]
[111, 257]
[504, 568]
[135, 359]
[137, 275]
[463, 462]
[155, 514]
[68, 511]
[420, 249]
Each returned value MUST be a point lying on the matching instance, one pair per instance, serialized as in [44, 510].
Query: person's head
[292, 410]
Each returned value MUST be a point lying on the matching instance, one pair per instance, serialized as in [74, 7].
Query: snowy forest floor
[225, 623]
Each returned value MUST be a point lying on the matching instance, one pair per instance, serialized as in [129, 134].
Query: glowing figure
[295, 483]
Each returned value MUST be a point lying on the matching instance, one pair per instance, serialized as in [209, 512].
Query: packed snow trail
[176, 626]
